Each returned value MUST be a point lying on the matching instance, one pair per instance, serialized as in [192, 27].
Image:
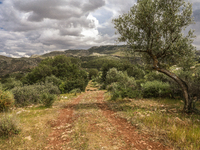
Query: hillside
[11, 65]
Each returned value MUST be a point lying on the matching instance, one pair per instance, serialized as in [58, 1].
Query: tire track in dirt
[126, 130]
[63, 123]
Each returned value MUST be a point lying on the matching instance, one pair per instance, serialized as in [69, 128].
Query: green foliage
[154, 28]
[53, 79]
[75, 91]
[121, 85]
[31, 94]
[59, 66]
[61, 72]
[137, 72]
[8, 125]
[48, 99]
[94, 62]
[93, 73]
[154, 75]
[38, 74]
[156, 89]
[68, 85]
[6, 100]
[114, 76]
[106, 66]
[10, 83]
[121, 65]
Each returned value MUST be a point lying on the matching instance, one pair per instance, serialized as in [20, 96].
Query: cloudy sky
[30, 27]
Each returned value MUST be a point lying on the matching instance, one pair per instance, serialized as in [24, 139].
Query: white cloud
[39, 26]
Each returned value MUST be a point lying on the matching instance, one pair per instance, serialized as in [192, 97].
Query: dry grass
[34, 125]
[163, 118]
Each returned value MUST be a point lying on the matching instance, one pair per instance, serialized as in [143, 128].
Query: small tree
[153, 28]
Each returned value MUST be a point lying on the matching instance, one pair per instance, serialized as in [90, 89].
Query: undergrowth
[161, 117]
[9, 125]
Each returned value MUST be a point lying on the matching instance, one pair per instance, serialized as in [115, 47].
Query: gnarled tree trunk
[187, 101]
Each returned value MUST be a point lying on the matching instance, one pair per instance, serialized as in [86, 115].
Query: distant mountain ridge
[10, 65]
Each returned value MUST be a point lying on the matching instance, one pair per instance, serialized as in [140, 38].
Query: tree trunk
[187, 101]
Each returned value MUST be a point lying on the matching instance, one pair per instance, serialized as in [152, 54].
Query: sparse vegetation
[9, 125]
[31, 94]
[6, 100]
[48, 99]
[162, 118]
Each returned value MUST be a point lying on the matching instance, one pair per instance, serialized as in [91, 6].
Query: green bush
[31, 94]
[121, 85]
[48, 99]
[68, 85]
[156, 89]
[6, 100]
[93, 73]
[53, 79]
[61, 67]
[154, 75]
[137, 72]
[113, 75]
[8, 125]
[75, 91]
[11, 83]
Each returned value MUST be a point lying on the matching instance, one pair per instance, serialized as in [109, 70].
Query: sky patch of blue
[0, 2]
[102, 15]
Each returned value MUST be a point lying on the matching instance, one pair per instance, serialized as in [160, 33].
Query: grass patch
[163, 118]
[34, 125]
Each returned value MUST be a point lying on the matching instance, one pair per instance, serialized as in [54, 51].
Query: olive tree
[154, 29]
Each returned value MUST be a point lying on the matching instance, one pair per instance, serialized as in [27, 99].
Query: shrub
[11, 83]
[53, 79]
[156, 89]
[93, 73]
[113, 76]
[121, 91]
[68, 85]
[154, 75]
[32, 94]
[8, 125]
[48, 99]
[6, 100]
[121, 85]
[75, 91]
[137, 72]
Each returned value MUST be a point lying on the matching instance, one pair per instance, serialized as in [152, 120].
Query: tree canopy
[154, 28]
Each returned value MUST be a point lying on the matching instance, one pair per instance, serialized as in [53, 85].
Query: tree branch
[163, 54]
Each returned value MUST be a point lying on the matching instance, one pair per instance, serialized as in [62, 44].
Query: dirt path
[88, 123]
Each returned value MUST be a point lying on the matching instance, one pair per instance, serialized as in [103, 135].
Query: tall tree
[154, 29]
